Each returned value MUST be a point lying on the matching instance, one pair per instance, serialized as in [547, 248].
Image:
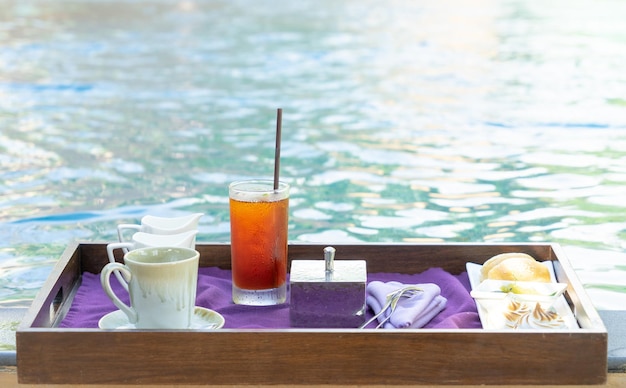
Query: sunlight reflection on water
[404, 122]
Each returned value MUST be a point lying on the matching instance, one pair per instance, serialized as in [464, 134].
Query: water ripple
[403, 121]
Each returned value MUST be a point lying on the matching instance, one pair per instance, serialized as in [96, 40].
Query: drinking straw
[279, 119]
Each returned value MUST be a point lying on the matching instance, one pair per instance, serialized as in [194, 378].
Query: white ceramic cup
[162, 225]
[162, 286]
[146, 240]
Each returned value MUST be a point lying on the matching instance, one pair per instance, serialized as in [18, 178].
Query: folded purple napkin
[412, 310]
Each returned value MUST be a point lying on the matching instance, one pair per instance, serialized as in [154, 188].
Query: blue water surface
[404, 121]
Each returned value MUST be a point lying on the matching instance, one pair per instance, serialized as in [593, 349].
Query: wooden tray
[47, 354]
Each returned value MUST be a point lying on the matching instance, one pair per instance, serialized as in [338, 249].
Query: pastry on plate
[515, 266]
[521, 316]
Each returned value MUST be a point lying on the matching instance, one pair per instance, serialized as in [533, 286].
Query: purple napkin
[412, 311]
[214, 292]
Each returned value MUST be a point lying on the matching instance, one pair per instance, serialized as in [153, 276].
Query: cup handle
[105, 280]
[112, 247]
[121, 227]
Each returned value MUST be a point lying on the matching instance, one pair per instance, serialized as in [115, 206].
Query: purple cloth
[214, 292]
[411, 311]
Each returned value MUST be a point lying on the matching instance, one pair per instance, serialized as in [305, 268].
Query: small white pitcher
[149, 240]
[162, 225]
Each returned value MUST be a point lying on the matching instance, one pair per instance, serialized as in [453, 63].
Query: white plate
[203, 319]
[490, 310]
[525, 291]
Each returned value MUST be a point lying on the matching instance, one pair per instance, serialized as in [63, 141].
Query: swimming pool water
[403, 122]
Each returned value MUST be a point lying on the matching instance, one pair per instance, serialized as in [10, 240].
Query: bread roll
[515, 266]
[497, 259]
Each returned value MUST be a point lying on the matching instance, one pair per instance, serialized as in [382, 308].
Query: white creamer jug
[149, 240]
[162, 225]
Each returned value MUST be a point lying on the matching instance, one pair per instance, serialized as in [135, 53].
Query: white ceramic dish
[203, 319]
[491, 310]
[521, 291]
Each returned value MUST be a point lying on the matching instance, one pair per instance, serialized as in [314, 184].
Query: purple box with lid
[327, 293]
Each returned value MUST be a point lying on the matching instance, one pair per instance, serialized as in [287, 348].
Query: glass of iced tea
[258, 228]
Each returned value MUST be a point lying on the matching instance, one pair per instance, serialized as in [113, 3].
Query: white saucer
[203, 319]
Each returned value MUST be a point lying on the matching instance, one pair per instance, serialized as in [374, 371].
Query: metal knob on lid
[329, 258]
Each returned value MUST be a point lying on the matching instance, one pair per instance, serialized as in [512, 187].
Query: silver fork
[392, 300]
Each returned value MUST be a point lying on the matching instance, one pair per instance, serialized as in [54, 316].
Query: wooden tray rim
[55, 361]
